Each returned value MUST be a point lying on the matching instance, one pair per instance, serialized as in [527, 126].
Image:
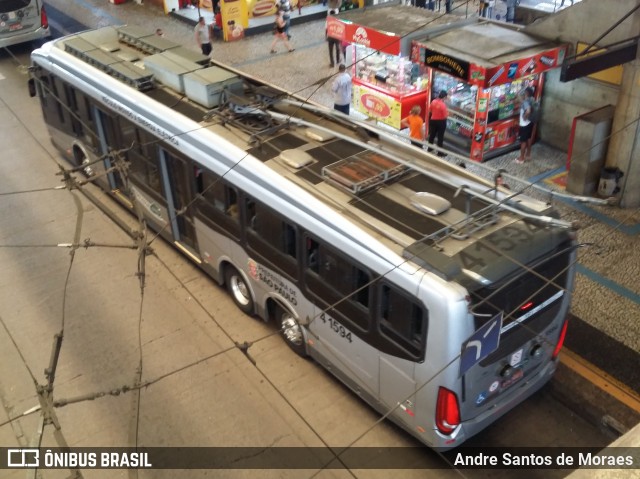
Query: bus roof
[392, 196]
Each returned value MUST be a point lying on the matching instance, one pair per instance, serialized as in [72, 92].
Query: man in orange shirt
[438, 120]
[415, 123]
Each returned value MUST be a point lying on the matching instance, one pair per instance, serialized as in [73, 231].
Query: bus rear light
[44, 21]
[563, 332]
[447, 411]
[526, 306]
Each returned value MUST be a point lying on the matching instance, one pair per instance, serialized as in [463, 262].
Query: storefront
[484, 67]
[386, 83]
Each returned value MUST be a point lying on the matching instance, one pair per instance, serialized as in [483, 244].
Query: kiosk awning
[488, 54]
[388, 29]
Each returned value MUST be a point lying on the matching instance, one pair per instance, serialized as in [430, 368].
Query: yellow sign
[610, 75]
[377, 105]
[235, 19]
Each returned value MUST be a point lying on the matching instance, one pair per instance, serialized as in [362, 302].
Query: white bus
[22, 21]
[377, 259]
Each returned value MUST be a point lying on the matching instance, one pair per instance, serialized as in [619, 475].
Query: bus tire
[238, 289]
[291, 331]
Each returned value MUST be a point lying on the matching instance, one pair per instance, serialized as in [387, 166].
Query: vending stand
[386, 83]
[484, 67]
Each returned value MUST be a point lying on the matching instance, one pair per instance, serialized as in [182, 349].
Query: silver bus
[22, 21]
[377, 259]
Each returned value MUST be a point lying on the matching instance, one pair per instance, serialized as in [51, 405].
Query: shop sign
[335, 28]
[452, 66]
[353, 33]
[523, 67]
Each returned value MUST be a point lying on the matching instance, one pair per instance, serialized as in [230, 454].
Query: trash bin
[609, 178]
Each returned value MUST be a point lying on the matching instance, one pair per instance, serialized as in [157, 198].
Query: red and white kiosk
[484, 66]
[386, 83]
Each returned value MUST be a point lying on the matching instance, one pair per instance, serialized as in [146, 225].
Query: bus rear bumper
[515, 396]
[520, 393]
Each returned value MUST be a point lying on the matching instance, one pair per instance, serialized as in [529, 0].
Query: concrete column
[624, 147]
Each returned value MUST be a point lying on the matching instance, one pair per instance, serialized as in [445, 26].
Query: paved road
[179, 338]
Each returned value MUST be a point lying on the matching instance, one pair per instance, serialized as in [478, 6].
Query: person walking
[202, 37]
[562, 3]
[526, 125]
[334, 44]
[438, 120]
[280, 34]
[341, 89]
[284, 6]
[415, 123]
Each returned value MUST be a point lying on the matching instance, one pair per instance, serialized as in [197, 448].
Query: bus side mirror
[32, 87]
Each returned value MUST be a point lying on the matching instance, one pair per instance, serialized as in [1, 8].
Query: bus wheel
[238, 289]
[291, 331]
[87, 170]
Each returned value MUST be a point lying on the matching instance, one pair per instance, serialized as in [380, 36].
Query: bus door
[177, 178]
[106, 126]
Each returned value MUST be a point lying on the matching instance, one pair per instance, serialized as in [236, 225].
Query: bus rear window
[7, 6]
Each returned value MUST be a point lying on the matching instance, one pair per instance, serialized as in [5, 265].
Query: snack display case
[386, 83]
[484, 68]
[483, 121]
[386, 87]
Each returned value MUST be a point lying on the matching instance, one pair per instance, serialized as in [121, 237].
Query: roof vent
[296, 158]
[429, 203]
[319, 135]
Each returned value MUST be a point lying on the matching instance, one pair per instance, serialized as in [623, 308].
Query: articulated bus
[22, 21]
[379, 260]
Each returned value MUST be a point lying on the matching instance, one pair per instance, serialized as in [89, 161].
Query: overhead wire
[245, 156]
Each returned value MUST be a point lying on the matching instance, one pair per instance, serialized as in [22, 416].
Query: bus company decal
[252, 267]
[273, 281]
[152, 207]
[140, 120]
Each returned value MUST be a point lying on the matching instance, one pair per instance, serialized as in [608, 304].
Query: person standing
[415, 123]
[216, 26]
[341, 89]
[438, 120]
[202, 37]
[334, 4]
[347, 5]
[280, 33]
[526, 125]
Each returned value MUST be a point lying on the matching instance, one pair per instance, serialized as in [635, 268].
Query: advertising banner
[353, 33]
[377, 105]
[524, 67]
[235, 19]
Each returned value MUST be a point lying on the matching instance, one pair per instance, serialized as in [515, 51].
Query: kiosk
[484, 67]
[386, 82]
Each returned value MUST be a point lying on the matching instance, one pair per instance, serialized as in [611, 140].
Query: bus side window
[313, 262]
[401, 319]
[197, 173]
[252, 220]
[232, 203]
